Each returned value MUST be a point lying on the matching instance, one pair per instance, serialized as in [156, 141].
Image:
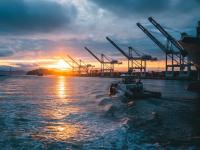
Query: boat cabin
[128, 78]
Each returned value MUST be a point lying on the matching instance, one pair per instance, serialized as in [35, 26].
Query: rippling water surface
[63, 112]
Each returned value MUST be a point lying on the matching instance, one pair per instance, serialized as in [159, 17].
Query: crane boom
[117, 47]
[143, 56]
[68, 63]
[134, 51]
[85, 65]
[73, 60]
[167, 35]
[106, 58]
[93, 54]
[162, 47]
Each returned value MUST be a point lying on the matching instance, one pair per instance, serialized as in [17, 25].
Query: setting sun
[62, 65]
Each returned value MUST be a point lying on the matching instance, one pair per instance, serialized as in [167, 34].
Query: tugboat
[131, 87]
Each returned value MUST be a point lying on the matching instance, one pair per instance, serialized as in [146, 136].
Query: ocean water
[59, 112]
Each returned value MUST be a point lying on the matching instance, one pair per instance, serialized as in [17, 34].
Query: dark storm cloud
[33, 44]
[187, 6]
[130, 7]
[177, 14]
[146, 7]
[34, 16]
[13, 46]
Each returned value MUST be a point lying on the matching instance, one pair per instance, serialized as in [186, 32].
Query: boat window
[128, 80]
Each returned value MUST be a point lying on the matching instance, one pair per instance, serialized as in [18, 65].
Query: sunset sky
[39, 33]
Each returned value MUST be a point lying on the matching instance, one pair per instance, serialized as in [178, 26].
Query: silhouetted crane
[168, 36]
[82, 67]
[71, 65]
[138, 62]
[177, 58]
[107, 64]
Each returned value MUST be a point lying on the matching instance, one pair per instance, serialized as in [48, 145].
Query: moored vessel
[192, 46]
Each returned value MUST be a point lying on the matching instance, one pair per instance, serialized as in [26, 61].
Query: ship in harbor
[192, 46]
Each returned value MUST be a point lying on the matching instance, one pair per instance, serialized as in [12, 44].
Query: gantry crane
[144, 58]
[107, 64]
[76, 63]
[134, 63]
[87, 67]
[82, 67]
[71, 65]
[174, 58]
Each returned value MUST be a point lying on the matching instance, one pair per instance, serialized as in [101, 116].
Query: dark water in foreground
[63, 113]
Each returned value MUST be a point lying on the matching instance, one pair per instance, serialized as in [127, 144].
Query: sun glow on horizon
[61, 65]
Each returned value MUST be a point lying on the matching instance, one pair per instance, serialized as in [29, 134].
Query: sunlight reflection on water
[40, 112]
[59, 112]
[58, 132]
[62, 87]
